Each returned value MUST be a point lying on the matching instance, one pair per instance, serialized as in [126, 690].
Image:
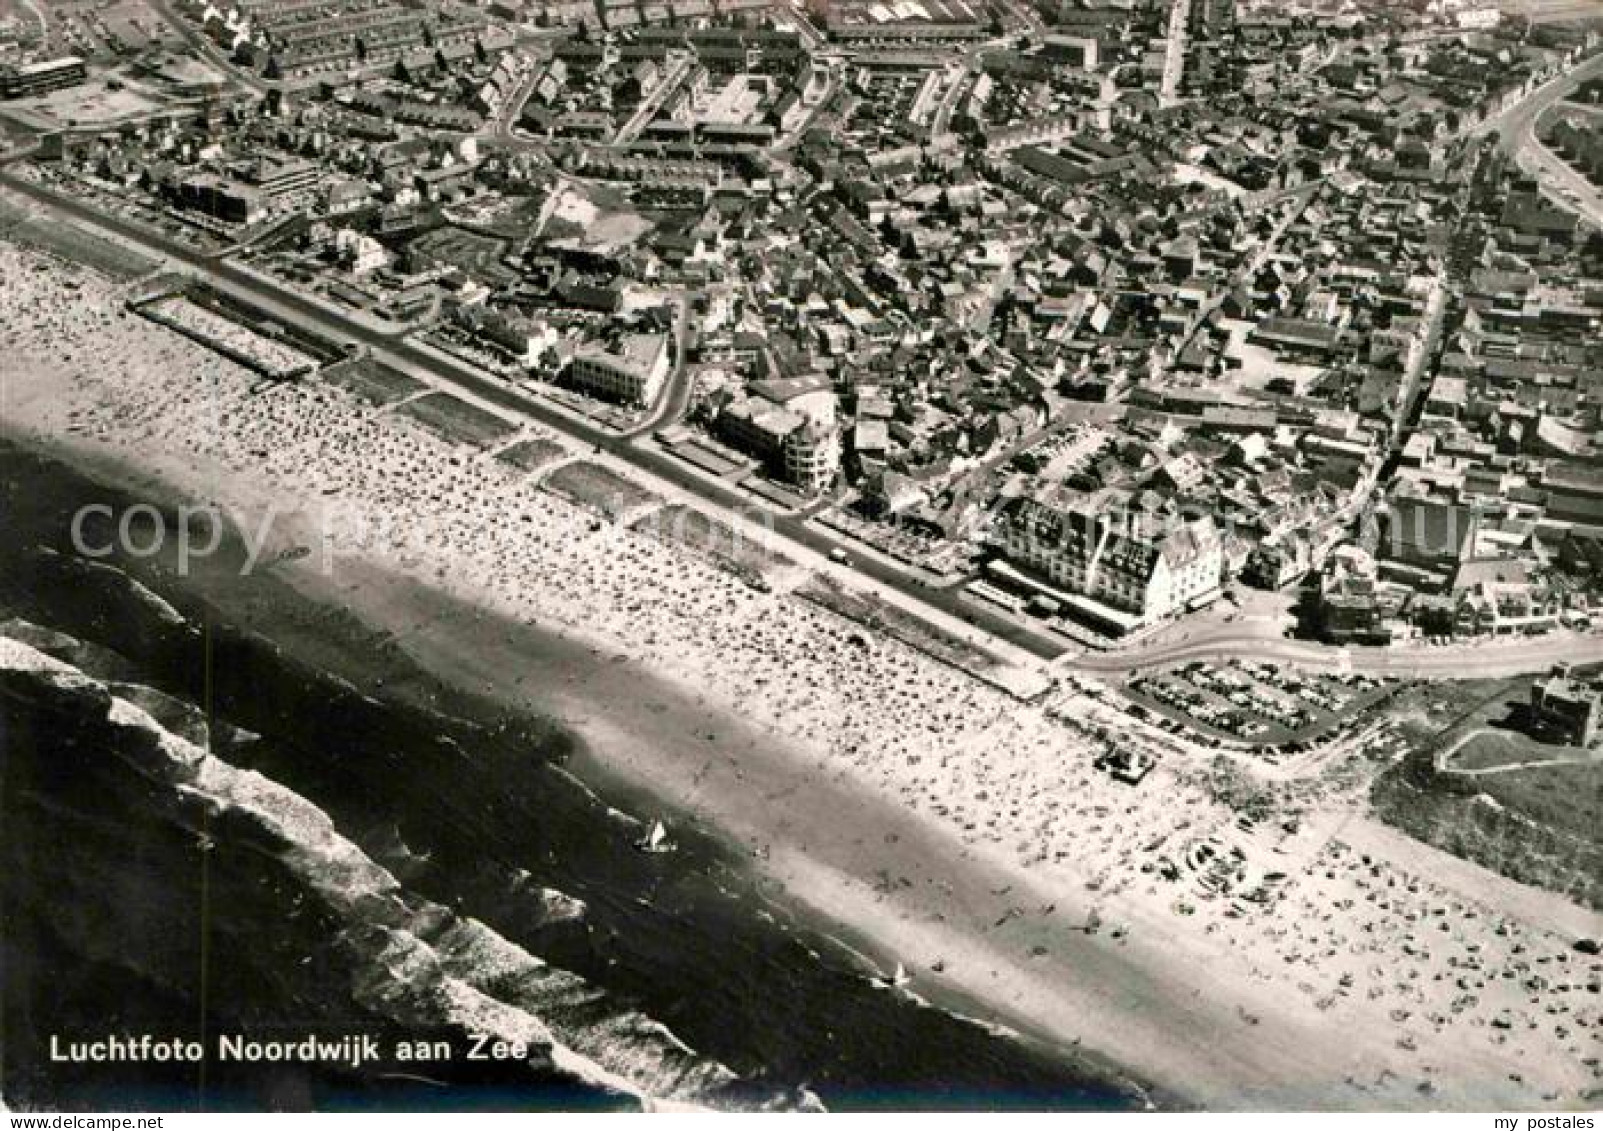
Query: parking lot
[1064, 454]
[1281, 710]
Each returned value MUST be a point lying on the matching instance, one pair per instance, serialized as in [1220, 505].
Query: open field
[1541, 825]
[1554, 11]
[874, 614]
[459, 421]
[532, 454]
[1492, 749]
[1566, 799]
[594, 217]
[512, 220]
[57, 237]
[373, 381]
[685, 526]
[131, 26]
[1437, 714]
[93, 104]
[599, 488]
[28, 19]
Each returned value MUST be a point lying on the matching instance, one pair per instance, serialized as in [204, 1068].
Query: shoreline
[915, 928]
[612, 781]
[318, 636]
[827, 772]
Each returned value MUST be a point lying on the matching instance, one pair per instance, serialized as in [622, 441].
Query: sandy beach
[941, 820]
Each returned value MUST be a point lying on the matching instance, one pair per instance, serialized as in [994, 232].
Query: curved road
[1516, 129]
[1514, 124]
[1491, 660]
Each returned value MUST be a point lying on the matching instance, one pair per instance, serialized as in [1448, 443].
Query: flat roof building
[25, 80]
[1565, 708]
[1079, 51]
[633, 373]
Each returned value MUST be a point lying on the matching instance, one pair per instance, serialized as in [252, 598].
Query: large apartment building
[27, 80]
[800, 448]
[633, 373]
[1138, 568]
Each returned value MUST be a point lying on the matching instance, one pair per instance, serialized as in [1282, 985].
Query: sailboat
[896, 980]
[656, 840]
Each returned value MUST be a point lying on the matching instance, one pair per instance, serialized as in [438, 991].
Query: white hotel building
[633, 373]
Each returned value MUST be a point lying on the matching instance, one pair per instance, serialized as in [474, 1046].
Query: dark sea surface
[119, 917]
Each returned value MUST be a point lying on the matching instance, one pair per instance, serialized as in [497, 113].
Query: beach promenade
[1012, 641]
[937, 818]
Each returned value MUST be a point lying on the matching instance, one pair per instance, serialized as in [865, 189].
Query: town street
[1516, 130]
[893, 582]
[1489, 659]
[439, 369]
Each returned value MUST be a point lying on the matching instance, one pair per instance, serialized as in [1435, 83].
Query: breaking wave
[414, 962]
